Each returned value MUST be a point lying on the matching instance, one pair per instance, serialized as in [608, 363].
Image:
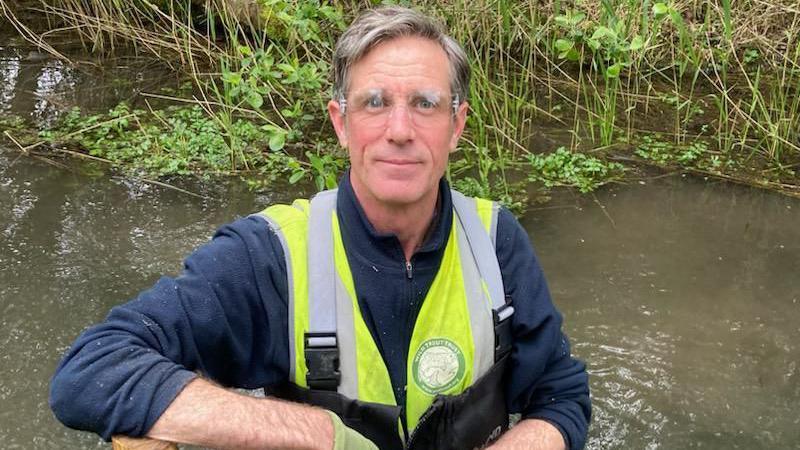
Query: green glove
[346, 438]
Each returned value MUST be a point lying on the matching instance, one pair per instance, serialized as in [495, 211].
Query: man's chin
[399, 193]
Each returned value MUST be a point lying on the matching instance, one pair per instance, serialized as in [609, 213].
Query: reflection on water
[34, 86]
[9, 73]
[684, 298]
[53, 78]
[39, 88]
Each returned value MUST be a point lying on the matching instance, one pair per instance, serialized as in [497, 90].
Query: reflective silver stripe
[482, 249]
[289, 283]
[346, 334]
[480, 311]
[321, 284]
[493, 227]
[330, 308]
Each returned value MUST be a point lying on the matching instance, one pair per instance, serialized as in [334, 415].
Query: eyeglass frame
[455, 103]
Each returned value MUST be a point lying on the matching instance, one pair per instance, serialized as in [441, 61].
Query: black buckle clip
[503, 338]
[322, 361]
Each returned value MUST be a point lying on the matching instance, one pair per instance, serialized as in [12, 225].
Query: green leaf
[637, 43]
[254, 99]
[573, 55]
[233, 78]
[602, 32]
[562, 45]
[286, 68]
[296, 176]
[660, 9]
[277, 141]
[613, 70]
[331, 182]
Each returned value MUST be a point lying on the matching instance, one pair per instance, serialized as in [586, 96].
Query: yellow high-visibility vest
[453, 342]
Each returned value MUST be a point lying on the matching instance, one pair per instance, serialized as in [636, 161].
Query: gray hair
[383, 24]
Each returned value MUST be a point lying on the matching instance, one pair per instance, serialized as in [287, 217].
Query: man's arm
[122, 374]
[207, 415]
[531, 434]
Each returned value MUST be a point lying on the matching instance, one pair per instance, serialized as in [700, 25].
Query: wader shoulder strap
[321, 346]
[485, 256]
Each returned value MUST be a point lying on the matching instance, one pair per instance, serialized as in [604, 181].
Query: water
[681, 294]
[683, 297]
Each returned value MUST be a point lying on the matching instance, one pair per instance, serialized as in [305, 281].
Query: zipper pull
[408, 269]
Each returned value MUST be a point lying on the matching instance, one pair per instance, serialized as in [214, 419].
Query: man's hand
[207, 415]
[531, 434]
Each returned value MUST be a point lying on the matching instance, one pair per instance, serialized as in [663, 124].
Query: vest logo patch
[438, 365]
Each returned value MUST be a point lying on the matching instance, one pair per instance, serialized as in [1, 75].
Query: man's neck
[409, 222]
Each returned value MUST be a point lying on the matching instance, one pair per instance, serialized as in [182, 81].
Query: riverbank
[563, 94]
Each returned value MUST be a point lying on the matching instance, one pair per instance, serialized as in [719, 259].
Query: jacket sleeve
[120, 375]
[545, 381]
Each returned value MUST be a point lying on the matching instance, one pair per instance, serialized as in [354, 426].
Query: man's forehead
[406, 58]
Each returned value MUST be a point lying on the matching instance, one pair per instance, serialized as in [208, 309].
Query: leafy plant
[564, 168]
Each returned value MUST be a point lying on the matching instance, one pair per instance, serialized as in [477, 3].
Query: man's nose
[400, 128]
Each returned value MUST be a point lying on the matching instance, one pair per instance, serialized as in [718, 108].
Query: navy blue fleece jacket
[225, 317]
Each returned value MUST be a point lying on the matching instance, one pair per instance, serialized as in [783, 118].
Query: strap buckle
[322, 361]
[503, 338]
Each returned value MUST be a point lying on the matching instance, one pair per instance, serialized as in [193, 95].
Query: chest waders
[455, 396]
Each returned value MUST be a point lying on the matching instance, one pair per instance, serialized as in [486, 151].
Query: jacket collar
[384, 248]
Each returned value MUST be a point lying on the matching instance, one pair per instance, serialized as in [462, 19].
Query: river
[681, 294]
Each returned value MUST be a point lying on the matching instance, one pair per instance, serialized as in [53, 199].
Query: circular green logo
[438, 365]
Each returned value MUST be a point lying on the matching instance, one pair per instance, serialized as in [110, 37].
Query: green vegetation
[173, 141]
[712, 87]
[564, 168]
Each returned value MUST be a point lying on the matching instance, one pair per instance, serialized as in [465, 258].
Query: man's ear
[337, 119]
[459, 122]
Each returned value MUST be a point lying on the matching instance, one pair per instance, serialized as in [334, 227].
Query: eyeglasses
[374, 107]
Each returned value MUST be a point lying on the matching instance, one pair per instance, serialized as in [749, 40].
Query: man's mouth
[398, 162]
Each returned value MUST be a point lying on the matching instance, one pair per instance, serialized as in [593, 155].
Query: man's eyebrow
[368, 93]
[427, 94]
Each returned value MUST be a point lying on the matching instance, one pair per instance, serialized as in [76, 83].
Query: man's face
[399, 126]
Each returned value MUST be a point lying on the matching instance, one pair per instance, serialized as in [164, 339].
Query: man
[389, 291]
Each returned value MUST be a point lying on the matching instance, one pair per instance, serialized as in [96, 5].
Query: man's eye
[427, 104]
[374, 102]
